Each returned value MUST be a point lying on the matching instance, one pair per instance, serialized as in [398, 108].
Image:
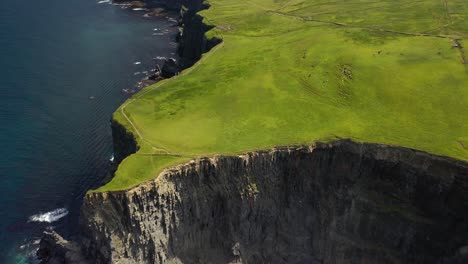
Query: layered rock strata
[343, 202]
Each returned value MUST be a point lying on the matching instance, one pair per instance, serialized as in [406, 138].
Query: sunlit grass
[280, 78]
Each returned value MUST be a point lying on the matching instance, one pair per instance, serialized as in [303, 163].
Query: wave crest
[49, 217]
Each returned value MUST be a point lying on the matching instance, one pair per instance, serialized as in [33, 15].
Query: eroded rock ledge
[342, 202]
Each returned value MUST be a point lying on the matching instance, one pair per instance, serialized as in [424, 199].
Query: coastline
[165, 67]
[126, 143]
[65, 67]
[52, 246]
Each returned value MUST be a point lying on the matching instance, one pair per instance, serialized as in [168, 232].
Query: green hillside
[291, 72]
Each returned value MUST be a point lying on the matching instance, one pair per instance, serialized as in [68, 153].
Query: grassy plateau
[299, 71]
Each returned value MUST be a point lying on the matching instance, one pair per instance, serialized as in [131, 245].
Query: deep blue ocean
[63, 65]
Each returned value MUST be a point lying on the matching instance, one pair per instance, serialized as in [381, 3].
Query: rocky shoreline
[190, 38]
[192, 43]
[169, 66]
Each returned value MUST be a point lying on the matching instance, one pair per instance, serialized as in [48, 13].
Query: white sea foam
[112, 159]
[103, 1]
[140, 9]
[121, 4]
[30, 243]
[137, 62]
[49, 217]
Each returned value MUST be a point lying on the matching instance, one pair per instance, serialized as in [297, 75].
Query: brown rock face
[342, 202]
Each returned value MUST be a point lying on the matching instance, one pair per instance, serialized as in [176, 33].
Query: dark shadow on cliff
[348, 203]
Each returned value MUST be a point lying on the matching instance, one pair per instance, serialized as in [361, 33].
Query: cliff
[340, 202]
[192, 39]
[331, 203]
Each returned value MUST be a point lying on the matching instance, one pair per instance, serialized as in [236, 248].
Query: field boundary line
[340, 24]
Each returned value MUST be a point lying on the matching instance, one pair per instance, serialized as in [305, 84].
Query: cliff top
[294, 71]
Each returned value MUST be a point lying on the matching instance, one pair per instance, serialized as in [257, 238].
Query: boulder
[170, 68]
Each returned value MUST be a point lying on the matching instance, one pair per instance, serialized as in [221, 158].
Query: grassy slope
[286, 73]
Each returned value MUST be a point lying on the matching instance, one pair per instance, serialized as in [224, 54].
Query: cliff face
[192, 40]
[124, 143]
[343, 202]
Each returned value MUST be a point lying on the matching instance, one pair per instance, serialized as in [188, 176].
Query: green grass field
[293, 72]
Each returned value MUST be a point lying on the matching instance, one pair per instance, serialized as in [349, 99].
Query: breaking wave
[49, 217]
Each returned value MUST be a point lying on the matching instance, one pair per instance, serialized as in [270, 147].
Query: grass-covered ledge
[291, 72]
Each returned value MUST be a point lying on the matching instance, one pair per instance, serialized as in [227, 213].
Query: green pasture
[294, 72]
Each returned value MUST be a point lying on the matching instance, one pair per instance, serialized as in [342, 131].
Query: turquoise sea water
[63, 64]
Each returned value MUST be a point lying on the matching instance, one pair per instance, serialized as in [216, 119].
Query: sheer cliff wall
[342, 202]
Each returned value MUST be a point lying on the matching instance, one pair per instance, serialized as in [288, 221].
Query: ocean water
[63, 64]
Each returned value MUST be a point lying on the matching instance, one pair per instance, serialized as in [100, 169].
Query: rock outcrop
[170, 68]
[342, 202]
[54, 249]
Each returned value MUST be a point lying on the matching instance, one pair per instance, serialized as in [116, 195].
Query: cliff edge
[342, 202]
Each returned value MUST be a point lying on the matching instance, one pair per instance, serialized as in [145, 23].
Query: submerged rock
[136, 4]
[157, 12]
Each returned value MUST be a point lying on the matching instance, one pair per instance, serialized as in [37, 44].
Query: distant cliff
[192, 40]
